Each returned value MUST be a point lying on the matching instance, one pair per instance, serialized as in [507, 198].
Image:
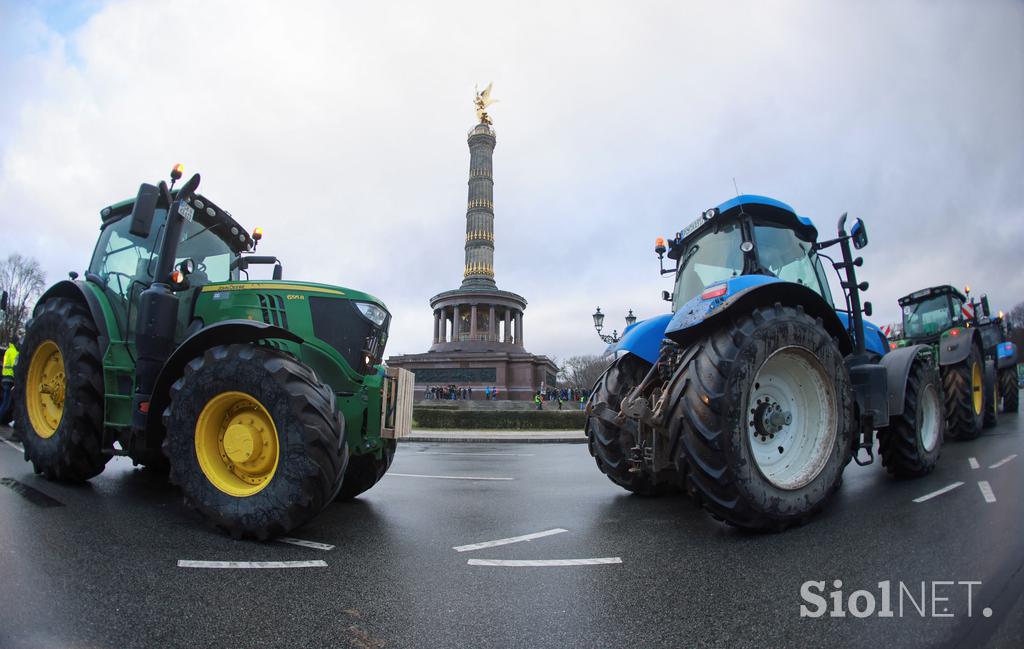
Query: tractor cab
[930, 312]
[744, 237]
[124, 263]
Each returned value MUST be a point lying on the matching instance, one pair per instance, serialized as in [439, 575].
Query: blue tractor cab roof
[760, 207]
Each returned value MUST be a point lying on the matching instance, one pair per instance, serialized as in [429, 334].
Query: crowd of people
[457, 392]
[573, 396]
[453, 392]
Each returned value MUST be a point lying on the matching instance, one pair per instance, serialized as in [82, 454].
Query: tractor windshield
[211, 255]
[712, 258]
[789, 258]
[928, 317]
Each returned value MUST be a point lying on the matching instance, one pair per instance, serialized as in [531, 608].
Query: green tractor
[970, 348]
[263, 400]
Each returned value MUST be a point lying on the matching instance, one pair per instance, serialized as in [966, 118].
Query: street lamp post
[599, 324]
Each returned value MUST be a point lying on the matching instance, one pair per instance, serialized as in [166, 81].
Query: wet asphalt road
[100, 569]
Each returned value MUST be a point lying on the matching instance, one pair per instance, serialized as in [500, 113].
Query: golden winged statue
[482, 101]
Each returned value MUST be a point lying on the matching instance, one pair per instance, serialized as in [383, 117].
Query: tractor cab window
[212, 257]
[122, 259]
[928, 317]
[712, 258]
[789, 258]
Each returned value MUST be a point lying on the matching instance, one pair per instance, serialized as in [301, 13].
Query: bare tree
[23, 280]
[582, 372]
[1015, 318]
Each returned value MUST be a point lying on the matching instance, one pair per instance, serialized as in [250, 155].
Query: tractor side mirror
[859, 234]
[144, 210]
[985, 307]
[3, 302]
[867, 309]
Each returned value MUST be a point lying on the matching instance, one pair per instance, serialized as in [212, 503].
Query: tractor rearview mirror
[144, 210]
[867, 309]
[859, 234]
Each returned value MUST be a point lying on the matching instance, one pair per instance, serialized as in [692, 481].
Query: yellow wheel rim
[44, 389]
[976, 388]
[236, 444]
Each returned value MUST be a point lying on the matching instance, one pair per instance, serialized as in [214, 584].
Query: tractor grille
[272, 309]
[340, 324]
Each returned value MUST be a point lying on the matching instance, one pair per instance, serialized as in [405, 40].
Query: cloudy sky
[339, 127]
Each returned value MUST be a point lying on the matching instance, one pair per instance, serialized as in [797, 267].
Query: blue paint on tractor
[698, 309]
[874, 340]
[754, 199]
[643, 338]
[1006, 350]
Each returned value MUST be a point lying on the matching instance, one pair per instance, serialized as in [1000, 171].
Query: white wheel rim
[792, 407]
[930, 417]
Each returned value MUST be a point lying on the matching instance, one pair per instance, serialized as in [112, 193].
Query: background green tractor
[971, 351]
[263, 400]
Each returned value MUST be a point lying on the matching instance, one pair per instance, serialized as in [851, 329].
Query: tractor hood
[352, 324]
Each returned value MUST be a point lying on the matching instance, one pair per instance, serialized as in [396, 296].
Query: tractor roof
[925, 293]
[207, 214]
[762, 208]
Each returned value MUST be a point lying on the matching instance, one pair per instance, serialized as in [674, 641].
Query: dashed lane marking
[510, 540]
[1002, 461]
[986, 491]
[444, 477]
[315, 545]
[543, 563]
[973, 461]
[186, 563]
[933, 494]
[13, 445]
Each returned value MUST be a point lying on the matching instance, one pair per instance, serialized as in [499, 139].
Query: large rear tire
[1009, 392]
[963, 384]
[254, 440]
[766, 419]
[364, 471]
[58, 392]
[912, 443]
[610, 445]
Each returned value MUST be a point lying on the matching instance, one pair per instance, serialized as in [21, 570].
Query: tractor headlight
[373, 313]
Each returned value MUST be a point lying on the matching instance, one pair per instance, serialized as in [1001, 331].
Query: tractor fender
[744, 294]
[1006, 355]
[643, 338]
[956, 349]
[78, 291]
[897, 364]
[220, 333]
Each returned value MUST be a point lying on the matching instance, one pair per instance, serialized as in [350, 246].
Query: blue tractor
[757, 390]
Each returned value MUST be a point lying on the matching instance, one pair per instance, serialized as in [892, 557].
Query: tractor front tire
[364, 471]
[58, 392]
[963, 384]
[765, 419]
[1009, 390]
[610, 445]
[254, 440]
[912, 442]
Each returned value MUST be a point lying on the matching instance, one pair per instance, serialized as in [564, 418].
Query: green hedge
[434, 417]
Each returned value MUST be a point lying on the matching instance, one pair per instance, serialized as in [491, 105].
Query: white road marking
[542, 563]
[986, 491]
[973, 461]
[490, 454]
[185, 563]
[14, 446]
[444, 477]
[1002, 461]
[513, 539]
[938, 493]
[306, 544]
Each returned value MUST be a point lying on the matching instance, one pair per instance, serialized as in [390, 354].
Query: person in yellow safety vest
[537, 400]
[10, 360]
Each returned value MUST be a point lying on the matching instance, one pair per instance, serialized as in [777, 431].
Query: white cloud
[340, 127]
